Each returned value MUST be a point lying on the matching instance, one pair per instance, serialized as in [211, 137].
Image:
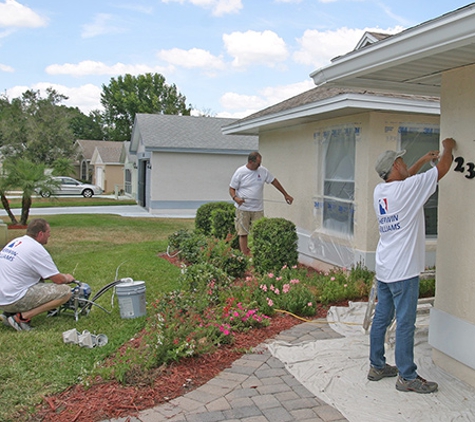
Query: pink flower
[270, 302]
[272, 287]
[270, 275]
[236, 313]
[286, 288]
[277, 291]
[263, 287]
[279, 278]
[295, 281]
[332, 279]
[284, 267]
[294, 267]
[309, 304]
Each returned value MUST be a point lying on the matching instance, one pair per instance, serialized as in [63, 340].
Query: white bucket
[131, 297]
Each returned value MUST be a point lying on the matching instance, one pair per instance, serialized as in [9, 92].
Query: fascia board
[439, 35]
[354, 101]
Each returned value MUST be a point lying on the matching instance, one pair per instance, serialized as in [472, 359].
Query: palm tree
[4, 200]
[28, 177]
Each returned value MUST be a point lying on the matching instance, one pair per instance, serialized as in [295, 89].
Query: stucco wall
[186, 180]
[455, 288]
[293, 155]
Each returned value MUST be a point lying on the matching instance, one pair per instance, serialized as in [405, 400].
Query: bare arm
[281, 189]
[236, 198]
[62, 278]
[445, 160]
[431, 155]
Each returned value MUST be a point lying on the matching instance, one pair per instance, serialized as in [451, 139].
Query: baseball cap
[385, 162]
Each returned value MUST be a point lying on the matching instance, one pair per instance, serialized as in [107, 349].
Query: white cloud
[86, 97]
[251, 47]
[89, 67]
[102, 24]
[193, 58]
[317, 48]
[6, 68]
[14, 14]
[249, 104]
[218, 7]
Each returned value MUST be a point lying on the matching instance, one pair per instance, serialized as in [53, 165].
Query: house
[437, 58]
[108, 168]
[185, 161]
[129, 161]
[322, 146]
[85, 149]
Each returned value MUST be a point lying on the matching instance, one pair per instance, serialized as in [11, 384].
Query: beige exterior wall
[294, 155]
[455, 288]
[192, 177]
[114, 175]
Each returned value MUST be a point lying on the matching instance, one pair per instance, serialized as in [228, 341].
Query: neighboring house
[108, 168]
[322, 146]
[185, 161]
[85, 149]
[129, 161]
[436, 58]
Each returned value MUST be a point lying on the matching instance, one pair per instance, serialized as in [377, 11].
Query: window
[417, 142]
[339, 179]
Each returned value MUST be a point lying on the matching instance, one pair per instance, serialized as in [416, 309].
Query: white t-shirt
[399, 207]
[23, 262]
[249, 185]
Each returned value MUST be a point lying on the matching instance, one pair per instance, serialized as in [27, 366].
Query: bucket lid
[130, 284]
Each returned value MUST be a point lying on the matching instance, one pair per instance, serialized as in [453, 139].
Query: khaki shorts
[244, 220]
[38, 295]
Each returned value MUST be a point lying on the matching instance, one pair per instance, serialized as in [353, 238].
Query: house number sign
[463, 167]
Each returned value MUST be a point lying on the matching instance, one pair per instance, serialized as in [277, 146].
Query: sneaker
[377, 374]
[4, 318]
[417, 385]
[19, 324]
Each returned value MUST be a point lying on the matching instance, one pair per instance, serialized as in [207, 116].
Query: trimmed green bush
[274, 244]
[222, 225]
[203, 221]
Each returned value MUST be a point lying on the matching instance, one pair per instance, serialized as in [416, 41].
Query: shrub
[427, 288]
[203, 221]
[274, 244]
[222, 225]
[287, 291]
[191, 247]
[219, 253]
[176, 239]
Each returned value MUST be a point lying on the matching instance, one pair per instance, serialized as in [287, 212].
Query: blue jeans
[401, 298]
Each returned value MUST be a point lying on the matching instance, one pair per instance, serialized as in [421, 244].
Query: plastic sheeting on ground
[335, 371]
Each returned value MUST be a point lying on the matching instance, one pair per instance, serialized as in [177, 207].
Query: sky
[229, 58]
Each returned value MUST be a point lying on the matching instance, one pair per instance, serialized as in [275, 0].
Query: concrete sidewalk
[256, 388]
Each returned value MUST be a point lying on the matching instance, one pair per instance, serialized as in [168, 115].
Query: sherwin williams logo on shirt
[383, 206]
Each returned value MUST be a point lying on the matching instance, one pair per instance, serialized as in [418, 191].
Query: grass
[73, 201]
[96, 249]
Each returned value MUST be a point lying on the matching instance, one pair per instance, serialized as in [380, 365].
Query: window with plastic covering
[339, 180]
[417, 141]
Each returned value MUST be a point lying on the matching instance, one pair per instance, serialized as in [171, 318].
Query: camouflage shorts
[38, 295]
[244, 220]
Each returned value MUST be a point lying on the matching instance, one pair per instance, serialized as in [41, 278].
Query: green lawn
[71, 201]
[97, 249]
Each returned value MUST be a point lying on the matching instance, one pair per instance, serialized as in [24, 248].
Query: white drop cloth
[335, 371]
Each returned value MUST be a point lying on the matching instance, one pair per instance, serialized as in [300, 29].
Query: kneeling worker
[24, 265]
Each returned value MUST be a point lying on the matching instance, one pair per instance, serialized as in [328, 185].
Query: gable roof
[108, 152]
[173, 133]
[87, 147]
[410, 61]
[328, 102]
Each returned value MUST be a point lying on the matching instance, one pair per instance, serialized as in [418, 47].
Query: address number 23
[464, 167]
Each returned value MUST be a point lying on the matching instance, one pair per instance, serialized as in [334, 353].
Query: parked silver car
[70, 186]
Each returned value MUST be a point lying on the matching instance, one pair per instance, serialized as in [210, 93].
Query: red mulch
[106, 400]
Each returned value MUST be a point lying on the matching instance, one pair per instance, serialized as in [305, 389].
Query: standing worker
[247, 190]
[400, 257]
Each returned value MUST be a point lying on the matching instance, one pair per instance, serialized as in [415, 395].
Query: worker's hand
[239, 201]
[289, 199]
[449, 143]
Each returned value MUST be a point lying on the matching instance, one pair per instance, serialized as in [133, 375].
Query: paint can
[131, 297]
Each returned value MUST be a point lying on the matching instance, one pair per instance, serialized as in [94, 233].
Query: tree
[27, 176]
[63, 167]
[87, 127]
[126, 96]
[36, 128]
